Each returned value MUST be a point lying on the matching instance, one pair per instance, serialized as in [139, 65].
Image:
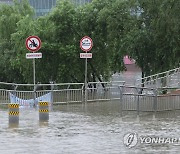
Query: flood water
[94, 128]
[87, 129]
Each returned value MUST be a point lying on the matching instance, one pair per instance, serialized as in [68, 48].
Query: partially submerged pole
[13, 114]
[43, 111]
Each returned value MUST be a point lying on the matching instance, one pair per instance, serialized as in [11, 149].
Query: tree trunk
[94, 72]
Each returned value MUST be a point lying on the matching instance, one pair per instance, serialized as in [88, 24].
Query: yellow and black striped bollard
[43, 111]
[13, 114]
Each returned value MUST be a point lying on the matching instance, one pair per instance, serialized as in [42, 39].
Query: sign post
[86, 45]
[33, 44]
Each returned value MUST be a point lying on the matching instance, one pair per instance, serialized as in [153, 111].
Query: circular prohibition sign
[86, 43]
[33, 43]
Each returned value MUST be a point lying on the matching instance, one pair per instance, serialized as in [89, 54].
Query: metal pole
[85, 81]
[155, 91]
[178, 78]
[34, 73]
[52, 89]
[34, 80]
[121, 88]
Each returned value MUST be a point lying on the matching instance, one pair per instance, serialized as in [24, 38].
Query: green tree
[10, 15]
[153, 38]
[148, 31]
[90, 23]
[59, 52]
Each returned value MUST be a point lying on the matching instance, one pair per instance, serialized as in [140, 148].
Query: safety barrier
[62, 93]
[149, 99]
[104, 91]
[13, 114]
[169, 78]
[43, 111]
[130, 97]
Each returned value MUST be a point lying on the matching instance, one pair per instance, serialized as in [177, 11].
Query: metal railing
[62, 93]
[169, 78]
[149, 99]
[104, 91]
[129, 97]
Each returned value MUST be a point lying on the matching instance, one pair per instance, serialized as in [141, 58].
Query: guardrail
[169, 78]
[62, 93]
[104, 91]
[129, 97]
[149, 99]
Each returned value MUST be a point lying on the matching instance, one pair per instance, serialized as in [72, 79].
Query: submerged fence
[61, 93]
[129, 97]
[149, 99]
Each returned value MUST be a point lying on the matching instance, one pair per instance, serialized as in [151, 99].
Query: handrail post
[52, 92]
[167, 79]
[35, 88]
[138, 93]
[155, 99]
[15, 88]
[121, 89]
[179, 78]
[82, 93]
[68, 99]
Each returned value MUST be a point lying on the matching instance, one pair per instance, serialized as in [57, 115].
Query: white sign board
[33, 55]
[85, 55]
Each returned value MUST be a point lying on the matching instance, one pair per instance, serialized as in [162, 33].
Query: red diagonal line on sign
[30, 40]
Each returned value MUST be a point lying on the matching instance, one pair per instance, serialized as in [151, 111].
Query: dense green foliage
[153, 37]
[147, 30]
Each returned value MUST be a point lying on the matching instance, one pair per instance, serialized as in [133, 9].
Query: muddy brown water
[94, 128]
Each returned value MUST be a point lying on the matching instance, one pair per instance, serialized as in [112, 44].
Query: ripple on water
[98, 128]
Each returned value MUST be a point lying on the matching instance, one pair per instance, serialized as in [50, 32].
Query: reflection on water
[92, 128]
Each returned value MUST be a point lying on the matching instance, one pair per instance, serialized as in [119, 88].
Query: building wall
[42, 7]
[81, 2]
[6, 1]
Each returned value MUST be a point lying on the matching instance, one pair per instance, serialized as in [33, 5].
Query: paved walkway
[129, 76]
